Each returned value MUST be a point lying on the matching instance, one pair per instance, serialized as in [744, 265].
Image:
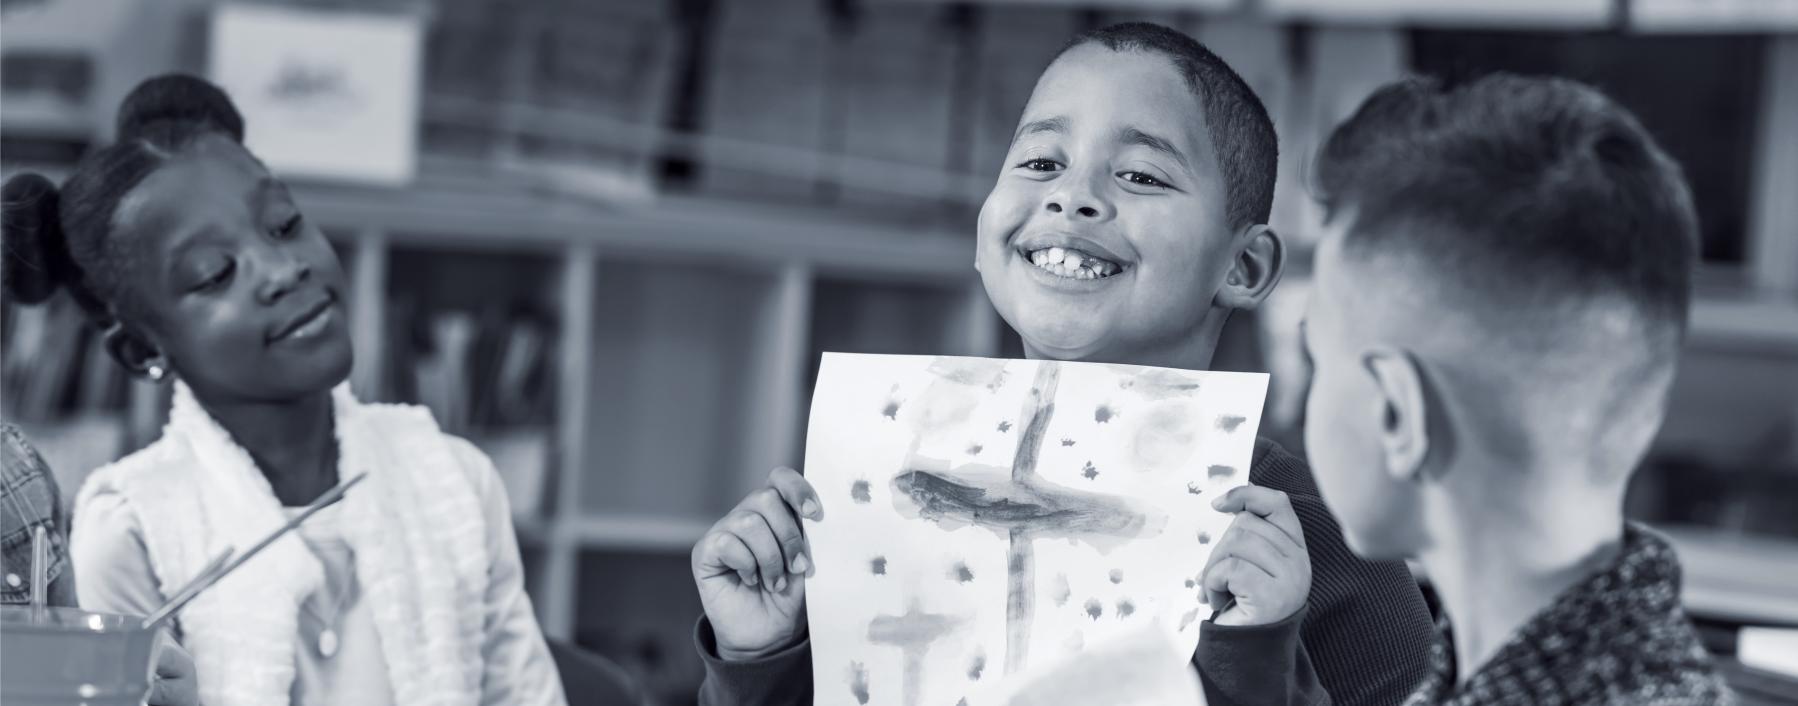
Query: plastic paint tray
[75, 657]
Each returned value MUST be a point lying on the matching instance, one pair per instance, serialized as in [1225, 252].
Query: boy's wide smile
[1065, 258]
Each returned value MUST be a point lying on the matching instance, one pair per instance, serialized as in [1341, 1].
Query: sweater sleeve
[1257, 664]
[1366, 630]
[517, 665]
[780, 679]
[106, 549]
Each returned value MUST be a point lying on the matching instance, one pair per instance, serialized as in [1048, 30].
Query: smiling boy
[1126, 226]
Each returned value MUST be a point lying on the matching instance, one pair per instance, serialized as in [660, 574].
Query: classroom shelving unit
[687, 332]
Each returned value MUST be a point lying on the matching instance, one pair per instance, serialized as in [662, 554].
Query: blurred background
[607, 240]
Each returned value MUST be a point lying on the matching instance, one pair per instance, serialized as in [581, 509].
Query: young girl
[200, 269]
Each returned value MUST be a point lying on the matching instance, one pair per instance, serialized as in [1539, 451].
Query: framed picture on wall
[325, 94]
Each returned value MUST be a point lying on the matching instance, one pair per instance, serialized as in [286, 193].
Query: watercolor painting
[986, 515]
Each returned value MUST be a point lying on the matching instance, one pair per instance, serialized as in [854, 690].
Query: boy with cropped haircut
[1500, 299]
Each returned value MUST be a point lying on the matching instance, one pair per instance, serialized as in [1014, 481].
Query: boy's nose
[1080, 196]
[1084, 211]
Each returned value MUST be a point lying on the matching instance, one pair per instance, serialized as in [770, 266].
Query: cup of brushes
[58, 656]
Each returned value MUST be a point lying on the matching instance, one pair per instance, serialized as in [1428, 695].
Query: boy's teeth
[1073, 264]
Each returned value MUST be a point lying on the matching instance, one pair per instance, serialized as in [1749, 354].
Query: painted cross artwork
[984, 515]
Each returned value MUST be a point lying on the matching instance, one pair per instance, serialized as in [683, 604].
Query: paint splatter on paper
[961, 573]
[1194, 489]
[1187, 619]
[1216, 472]
[858, 682]
[1230, 422]
[970, 562]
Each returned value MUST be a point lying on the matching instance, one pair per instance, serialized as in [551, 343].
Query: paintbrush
[207, 578]
[40, 572]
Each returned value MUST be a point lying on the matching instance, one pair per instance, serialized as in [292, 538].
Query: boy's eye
[1039, 165]
[1141, 179]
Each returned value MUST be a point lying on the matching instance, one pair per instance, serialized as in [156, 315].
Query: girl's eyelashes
[1039, 164]
[289, 227]
[216, 277]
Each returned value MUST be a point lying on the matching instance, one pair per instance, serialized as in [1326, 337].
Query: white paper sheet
[947, 559]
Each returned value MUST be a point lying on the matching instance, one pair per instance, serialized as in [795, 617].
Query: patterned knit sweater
[1619, 637]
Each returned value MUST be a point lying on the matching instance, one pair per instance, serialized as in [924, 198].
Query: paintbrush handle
[323, 501]
[205, 581]
[188, 590]
[40, 572]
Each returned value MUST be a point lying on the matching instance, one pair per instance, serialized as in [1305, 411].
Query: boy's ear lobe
[1404, 426]
[1256, 269]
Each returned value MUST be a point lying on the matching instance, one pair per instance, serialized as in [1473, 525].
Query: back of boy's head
[1544, 228]
[1241, 133]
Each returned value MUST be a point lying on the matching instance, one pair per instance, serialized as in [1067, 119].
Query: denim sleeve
[30, 499]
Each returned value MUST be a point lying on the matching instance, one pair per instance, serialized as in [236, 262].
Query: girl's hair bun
[177, 100]
[36, 260]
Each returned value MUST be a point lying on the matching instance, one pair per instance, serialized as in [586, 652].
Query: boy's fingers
[722, 552]
[787, 534]
[1232, 576]
[1252, 548]
[755, 532]
[1266, 503]
[797, 492]
[1275, 536]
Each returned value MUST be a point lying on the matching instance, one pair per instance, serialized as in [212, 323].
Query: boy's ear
[1256, 269]
[1404, 423]
[135, 353]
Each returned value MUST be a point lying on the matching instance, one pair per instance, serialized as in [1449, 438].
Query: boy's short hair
[1241, 133]
[1511, 184]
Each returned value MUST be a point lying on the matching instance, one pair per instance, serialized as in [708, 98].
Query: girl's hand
[751, 568]
[173, 682]
[1260, 562]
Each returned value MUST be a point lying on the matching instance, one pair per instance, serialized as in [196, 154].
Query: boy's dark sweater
[1363, 637]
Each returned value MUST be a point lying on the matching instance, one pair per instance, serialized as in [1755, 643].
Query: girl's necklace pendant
[327, 642]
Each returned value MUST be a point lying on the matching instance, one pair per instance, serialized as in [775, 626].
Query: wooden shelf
[634, 532]
[1737, 578]
[677, 228]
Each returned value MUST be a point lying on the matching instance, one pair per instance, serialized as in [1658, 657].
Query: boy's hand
[751, 568]
[173, 682]
[1260, 562]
